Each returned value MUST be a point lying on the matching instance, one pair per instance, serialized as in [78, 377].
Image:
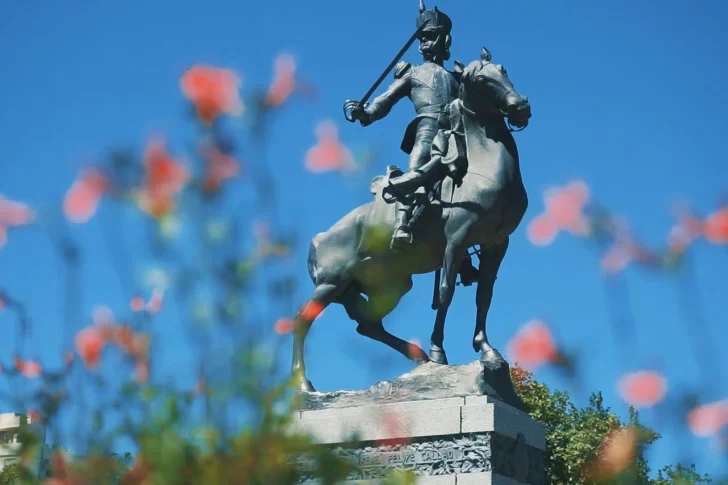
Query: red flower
[564, 211]
[141, 371]
[29, 368]
[329, 153]
[643, 389]
[715, 227]
[616, 454]
[155, 302]
[284, 82]
[283, 326]
[212, 91]
[394, 429]
[219, 167]
[542, 230]
[164, 178]
[624, 250]
[138, 474]
[311, 310]
[82, 199]
[137, 304]
[35, 416]
[533, 346]
[13, 214]
[90, 343]
[708, 419]
[414, 350]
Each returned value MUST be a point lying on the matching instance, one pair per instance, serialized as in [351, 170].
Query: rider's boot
[406, 184]
[402, 236]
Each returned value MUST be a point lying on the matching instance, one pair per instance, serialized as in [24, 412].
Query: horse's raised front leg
[455, 251]
[490, 261]
[324, 294]
[369, 322]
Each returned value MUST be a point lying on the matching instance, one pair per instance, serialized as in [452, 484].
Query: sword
[350, 105]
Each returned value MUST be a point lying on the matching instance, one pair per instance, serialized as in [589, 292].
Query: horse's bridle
[505, 117]
[503, 113]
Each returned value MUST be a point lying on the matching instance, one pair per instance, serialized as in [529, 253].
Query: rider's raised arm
[382, 104]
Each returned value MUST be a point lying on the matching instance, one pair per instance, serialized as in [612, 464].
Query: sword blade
[394, 61]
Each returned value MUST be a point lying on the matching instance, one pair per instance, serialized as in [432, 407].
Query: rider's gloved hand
[361, 115]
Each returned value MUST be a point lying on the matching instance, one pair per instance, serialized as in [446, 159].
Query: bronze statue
[431, 88]
[478, 198]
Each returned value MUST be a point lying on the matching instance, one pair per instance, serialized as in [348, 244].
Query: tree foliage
[577, 441]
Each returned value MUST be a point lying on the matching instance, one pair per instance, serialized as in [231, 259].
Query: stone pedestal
[441, 422]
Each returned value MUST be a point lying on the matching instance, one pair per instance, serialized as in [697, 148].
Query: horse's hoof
[492, 358]
[306, 386]
[438, 356]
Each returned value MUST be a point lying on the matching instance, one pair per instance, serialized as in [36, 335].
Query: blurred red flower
[82, 199]
[212, 91]
[564, 211]
[35, 416]
[137, 304]
[624, 250]
[708, 419]
[715, 227]
[90, 343]
[414, 349]
[219, 167]
[164, 177]
[141, 371]
[311, 310]
[284, 82]
[28, 368]
[138, 474]
[542, 230]
[394, 427]
[616, 453]
[329, 153]
[533, 345]
[13, 214]
[642, 389]
[283, 326]
[154, 305]
[102, 315]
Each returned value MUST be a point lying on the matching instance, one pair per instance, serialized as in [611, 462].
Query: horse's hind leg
[323, 295]
[490, 261]
[370, 325]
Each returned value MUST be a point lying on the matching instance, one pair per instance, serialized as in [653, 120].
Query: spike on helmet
[439, 22]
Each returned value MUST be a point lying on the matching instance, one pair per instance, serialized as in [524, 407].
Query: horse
[353, 265]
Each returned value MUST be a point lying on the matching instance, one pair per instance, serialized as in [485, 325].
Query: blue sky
[627, 96]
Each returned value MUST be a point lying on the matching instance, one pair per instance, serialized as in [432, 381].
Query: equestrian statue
[463, 190]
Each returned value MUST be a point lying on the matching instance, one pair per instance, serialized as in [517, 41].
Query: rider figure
[431, 88]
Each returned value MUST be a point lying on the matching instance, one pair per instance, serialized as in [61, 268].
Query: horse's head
[486, 90]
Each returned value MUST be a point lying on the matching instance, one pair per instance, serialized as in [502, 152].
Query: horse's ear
[485, 55]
